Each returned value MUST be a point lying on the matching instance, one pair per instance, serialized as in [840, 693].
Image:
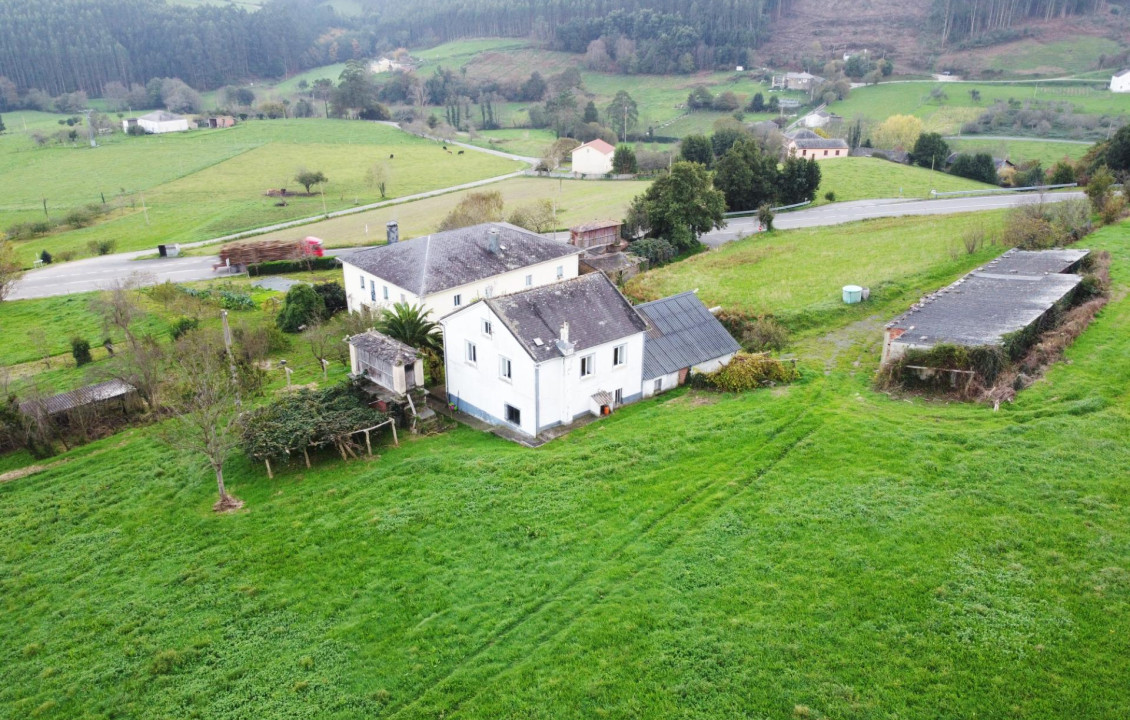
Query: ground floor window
[619, 396]
[659, 385]
[513, 415]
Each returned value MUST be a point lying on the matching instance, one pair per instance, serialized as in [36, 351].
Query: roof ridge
[424, 266]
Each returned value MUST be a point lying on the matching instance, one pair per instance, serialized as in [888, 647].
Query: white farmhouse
[1120, 83]
[157, 122]
[448, 270]
[683, 336]
[545, 357]
[593, 158]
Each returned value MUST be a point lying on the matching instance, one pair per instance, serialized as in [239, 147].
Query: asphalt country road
[838, 213]
[102, 272]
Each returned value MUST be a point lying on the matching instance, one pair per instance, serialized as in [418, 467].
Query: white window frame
[588, 365]
[620, 356]
[505, 369]
[372, 291]
[384, 291]
[560, 271]
[618, 396]
[529, 281]
[658, 385]
[487, 328]
[472, 353]
[458, 299]
[489, 292]
[517, 410]
[362, 281]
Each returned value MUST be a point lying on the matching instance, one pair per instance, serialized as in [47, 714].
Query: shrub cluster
[224, 298]
[747, 371]
[279, 267]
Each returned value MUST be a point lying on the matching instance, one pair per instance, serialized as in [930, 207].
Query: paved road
[1018, 137]
[838, 213]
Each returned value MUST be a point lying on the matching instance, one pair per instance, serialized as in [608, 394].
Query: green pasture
[859, 178]
[1048, 153]
[813, 551]
[519, 141]
[797, 275]
[204, 184]
[577, 201]
[877, 102]
[1063, 57]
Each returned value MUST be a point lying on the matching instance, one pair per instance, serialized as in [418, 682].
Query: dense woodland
[961, 19]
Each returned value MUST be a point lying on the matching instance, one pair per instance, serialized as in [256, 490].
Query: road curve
[839, 213]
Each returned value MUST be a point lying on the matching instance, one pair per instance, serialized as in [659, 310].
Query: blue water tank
[853, 294]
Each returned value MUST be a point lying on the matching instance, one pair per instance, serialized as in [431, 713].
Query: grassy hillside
[813, 551]
[203, 184]
[1048, 153]
[863, 178]
[797, 275]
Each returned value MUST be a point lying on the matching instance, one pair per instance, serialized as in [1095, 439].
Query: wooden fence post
[307, 456]
[368, 447]
[270, 474]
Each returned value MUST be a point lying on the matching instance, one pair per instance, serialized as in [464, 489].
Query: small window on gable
[489, 292]
[529, 280]
[488, 329]
[588, 365]
[560, 271]
[825, 152]
[458, 300]
[619, 355]
[504, 368]
[472, 353]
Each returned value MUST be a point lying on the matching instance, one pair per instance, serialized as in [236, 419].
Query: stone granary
[1005, 296]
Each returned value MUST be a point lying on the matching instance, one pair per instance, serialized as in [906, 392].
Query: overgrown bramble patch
[747, 371]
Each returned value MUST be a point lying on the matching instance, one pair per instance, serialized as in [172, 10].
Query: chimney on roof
[563, 343]
[392, 231]
[495, 241]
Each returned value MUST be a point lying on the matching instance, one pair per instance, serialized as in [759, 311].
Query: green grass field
[1064, 57]
[864, 178]
[519, 141]
[877, 102]
[203, 184]
[1048, 153]
[797, 275]
[577, 201]
[815, 551]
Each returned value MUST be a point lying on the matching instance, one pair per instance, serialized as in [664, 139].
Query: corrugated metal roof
[682, 333]
[88, 395]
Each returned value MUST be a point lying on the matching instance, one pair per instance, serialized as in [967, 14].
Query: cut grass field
[204, 184]
[797, 275]
[818, 551]
[577, 201]
[858, 178]
[878, 102]
[1047, 153]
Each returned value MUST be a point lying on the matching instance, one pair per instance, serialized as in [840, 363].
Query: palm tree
[410, 325]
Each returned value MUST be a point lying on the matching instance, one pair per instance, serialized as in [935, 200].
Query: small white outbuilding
[1120, 83]
[157, 122]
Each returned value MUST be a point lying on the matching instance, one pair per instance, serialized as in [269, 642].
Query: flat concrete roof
[1006, 295]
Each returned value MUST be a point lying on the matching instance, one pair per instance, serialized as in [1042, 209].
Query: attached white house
[158, 122]
[593, 158]
[807, 145]
[449, 270]
[545, 357]
[683, 336]
[1120, 83]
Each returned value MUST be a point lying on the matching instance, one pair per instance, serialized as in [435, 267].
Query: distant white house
[448, 270]
[547, 356]
[384, 65]
[808, 145]
[820, 118]
[593, 158]
[1121, 82]
[157, 122]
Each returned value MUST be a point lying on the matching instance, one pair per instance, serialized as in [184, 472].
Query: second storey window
[458, 300]
[472, 353]
[619, 355]
[372, 291]
[385, 291]
[504, 368]
[529, 280]
[588, 365]
[560, 271]
[362, 282]
[488, 329]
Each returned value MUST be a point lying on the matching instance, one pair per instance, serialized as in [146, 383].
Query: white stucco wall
[547, 394]
[1120, 84]
[442, 303]
[164, 127]
[590, 161]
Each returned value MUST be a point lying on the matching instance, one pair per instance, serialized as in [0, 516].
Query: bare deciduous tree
[9, 269]
[204, 401]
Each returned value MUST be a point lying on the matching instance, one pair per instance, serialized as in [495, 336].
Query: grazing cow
[391, 156]
[460, 152]
[444, 147]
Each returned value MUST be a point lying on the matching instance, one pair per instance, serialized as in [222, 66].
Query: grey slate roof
[596, 312]
[161, 116]
[434, 263]
[681, 333]
[822, 144]
[383, 347]
[1004, 296]
[90, 394]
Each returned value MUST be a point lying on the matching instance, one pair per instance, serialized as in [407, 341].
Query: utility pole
[89, 127]
[231, 357]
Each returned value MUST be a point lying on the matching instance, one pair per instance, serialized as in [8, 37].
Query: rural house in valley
[1120, 83]
[807, 144]
[449, 270]
[387, 363]
[593, 158]
[547, 356]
